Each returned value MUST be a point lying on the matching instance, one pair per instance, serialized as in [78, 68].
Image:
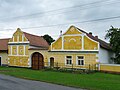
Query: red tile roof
[4, 44]
[103, 44]
[36, 40]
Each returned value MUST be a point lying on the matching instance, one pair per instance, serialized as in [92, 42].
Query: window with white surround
[68, 60]
[80, 60]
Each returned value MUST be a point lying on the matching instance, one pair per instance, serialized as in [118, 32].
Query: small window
[80, 60]
[68, 60]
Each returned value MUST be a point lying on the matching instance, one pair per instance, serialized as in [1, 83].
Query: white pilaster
[24, 50]
[11, 50]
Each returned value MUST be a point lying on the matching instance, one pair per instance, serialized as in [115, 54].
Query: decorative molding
[18, 55]
[18, 42]
[72, 39]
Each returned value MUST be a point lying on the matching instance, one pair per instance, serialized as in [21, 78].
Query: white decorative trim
[73, 27]
[24, 49]
[73, 35]
[10, 50]
[73, 50]
[81, 59]
[18, 55]
[17, 49]
[65, 59]
[72, 39]
[111, 64]
[82, 41]
[18, 42]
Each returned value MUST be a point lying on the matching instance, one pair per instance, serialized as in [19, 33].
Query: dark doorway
[51, 62]
[0, 61]
[37, 61]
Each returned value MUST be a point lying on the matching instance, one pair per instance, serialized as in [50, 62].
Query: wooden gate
[0, 61]
[37, 61]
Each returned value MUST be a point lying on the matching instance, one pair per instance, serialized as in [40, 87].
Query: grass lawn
[94, 81]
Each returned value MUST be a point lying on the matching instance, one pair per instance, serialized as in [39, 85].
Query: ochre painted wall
[89, 44]
[72, 42]
[74, 39]
[57, 45]
[21, 61]
[72, 30]
[110, 67]
[4, 57]
[60, 57]
[19, 54]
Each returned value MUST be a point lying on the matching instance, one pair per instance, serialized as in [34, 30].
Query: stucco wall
[105, 56]
[60, 58]
[4, 58]
[110, 67]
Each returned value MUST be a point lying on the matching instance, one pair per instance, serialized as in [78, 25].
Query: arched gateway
[37, 61]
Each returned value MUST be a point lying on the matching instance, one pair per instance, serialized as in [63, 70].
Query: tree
[48, 38]
[114, 38]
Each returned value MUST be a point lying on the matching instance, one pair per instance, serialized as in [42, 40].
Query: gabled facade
[19, 45]
[75, 47]
[18, 50]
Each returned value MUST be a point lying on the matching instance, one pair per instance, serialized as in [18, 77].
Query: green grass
[95, 81]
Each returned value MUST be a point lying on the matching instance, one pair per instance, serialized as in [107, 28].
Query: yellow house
[18, 50]
[79, 49]
[75, 48]
[4, 51]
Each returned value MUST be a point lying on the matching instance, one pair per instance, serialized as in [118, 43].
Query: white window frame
[80, 60]
[66, 60]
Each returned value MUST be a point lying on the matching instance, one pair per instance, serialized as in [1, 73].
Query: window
[68, 60]
[80, 60]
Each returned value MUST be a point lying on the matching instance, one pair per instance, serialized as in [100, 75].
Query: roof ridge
[32, 34]
[103, 43]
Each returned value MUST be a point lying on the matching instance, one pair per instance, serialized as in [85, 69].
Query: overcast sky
[44, 14]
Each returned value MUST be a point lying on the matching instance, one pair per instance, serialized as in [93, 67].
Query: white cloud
[14, 8]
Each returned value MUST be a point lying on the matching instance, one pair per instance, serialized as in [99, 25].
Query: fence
[110, 68]
[58, 66]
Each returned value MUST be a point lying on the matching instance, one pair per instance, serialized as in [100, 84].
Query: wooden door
[0, 61]
[37, 61]
[51, 62]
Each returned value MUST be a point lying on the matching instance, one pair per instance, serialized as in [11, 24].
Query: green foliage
[114, 36]
[94, 81]
[48, 38]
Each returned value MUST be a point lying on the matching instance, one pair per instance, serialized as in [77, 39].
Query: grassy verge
[95, 81]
